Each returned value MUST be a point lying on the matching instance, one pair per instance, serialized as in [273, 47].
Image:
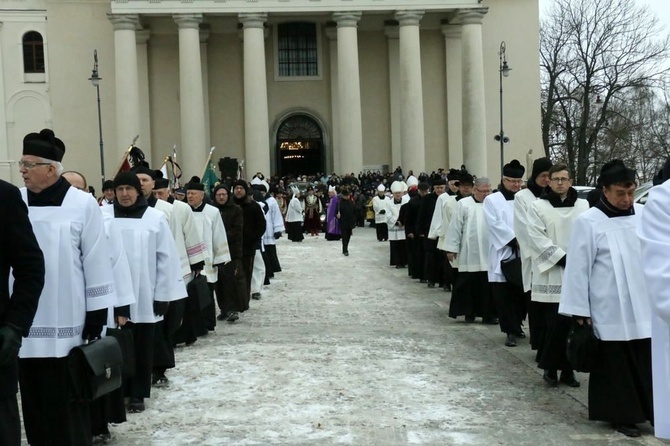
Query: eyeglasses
[560, 180]
[513, 181]
[30, 165]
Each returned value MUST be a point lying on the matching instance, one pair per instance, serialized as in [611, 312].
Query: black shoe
[447, 288]
[221, 317]
[550, 377]
[629, 430]
[136, 405]
[568, 378]
[191, 342]
[431, 284]
[346, 253]
[469, 318]
[102, 439]
[521, 334]
[256, 296]
[233, 316]
[510, 341]
[423, 281]
[160, 381]
[490, 321]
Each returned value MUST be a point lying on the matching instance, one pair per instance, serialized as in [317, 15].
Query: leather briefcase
[198, 290]
[95, 368]
[126, 341]
[511, 269]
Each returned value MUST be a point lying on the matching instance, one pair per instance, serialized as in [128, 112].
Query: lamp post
[95, 80]
[504, 72]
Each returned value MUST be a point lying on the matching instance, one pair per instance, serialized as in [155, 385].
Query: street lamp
[504, 72]
[95, 80]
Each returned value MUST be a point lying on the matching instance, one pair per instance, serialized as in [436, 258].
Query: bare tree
[592, 53]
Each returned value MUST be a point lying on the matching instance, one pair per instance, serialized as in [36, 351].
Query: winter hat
[144, 170]
[242, 183]
[160, 182]
[108, 184]
[540, 165]
[441, 181]
[464, 177]
[514, 169]
[615, 171]
[128, 179]
[452, 175]
[44, 145]
[424, 186]
[195, 184]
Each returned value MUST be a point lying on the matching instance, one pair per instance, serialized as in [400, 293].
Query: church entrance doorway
[300, 146]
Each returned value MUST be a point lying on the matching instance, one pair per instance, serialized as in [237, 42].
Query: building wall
[67, 100]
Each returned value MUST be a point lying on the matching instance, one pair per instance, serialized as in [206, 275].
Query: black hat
[221, 186]
[44, 144]
[439, 181]
[452, 175]
[108, 184]
[259, 187]
[464, 177]
[513, 170]
[242, 183]
[663, 175]
[540, 165]
[161, 183]
[127, 179]
[424, 186]
[615, 171]
[195, 184]
[144, 170]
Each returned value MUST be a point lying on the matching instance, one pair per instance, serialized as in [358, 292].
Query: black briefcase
[126, 342]
[198, 290]
[581, 347]
[95, 368]
[511, 269]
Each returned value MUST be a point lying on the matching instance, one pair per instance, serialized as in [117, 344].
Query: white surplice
[182, 273]
[274, 222]
[187, 237]
[655, 240]
[378, 205]
[468, 236]
[439, 224]
[78, 276]
[120, 268]
[548, 230]
[215, 239]
[522, 201]
[499, 216]
[603, 277]
[295, 211]
[152, 257]
[396, 233]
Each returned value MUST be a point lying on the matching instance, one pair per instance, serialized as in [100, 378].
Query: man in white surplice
[655, 240]
[604, 285]
[79, 287]
[396, 228]
[499, 215]
[548, 227]
[379, 203]
[154, 264]
[467, 241]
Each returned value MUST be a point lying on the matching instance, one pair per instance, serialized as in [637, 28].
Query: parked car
[642, 192]
[583, 191]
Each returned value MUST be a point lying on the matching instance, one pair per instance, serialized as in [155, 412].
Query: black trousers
[346, 236]
[50, 416]
[449, 273]
[10, 422]
[432, 266]
[231, 288]
[511, 306]
[398, 253]
[209, 311]
[164, 336]
[274, 265]
[551, 352]
[382, 231]
[139, 385]
[248, 265]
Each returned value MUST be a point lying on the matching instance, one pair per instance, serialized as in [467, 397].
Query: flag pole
[125, 155]
[209, 158]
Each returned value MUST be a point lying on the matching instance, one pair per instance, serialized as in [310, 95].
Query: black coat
[411, 208]
[425, 214]
[233, 221]
[347, 213]
[18, 250]
[254, 226]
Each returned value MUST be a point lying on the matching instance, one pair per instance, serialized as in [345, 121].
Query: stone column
[154, 155]
[349, 91]
[411, 92]
[454, 89]
[474, 104]
[128, 119]
[331, 34]
[256, 121]
[393, 38]
[204, 36]
[191, 96]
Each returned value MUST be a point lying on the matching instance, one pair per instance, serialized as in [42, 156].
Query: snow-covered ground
[347, 350]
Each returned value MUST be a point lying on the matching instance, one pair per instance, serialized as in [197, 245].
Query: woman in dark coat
[347, 218]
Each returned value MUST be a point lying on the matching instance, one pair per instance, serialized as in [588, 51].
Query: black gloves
[382, 212]
[513, 244]
[93, 325]
[91, 332]
[160, 308]
[561, 262]
[10, 343]
[277, 235]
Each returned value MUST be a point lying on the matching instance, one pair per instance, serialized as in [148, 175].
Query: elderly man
[548, 227]
[467, 240]
[79, 283]
[604, 286]
[152, 255]
[107, 198]
[499, 214]
[254, 228]
[19, 252]
[655, 241]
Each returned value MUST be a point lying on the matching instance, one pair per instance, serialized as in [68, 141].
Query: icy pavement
[347, 350]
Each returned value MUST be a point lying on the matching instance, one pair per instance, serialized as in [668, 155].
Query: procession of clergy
[134, 261]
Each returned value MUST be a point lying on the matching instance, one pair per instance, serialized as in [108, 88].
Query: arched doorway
[299, 146]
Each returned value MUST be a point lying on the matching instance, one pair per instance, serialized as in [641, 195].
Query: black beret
[439, 182]
[127, 179]
[161, 183]
[44, 144]
[109, 184]
[514, 169]
[192, 185]
[452, 174]
[144, 170]
[540, 165]
[424, 186]
[464, 177]
[615, 171]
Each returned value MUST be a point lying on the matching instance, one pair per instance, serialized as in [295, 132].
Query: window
[33, 52]
[297, 50]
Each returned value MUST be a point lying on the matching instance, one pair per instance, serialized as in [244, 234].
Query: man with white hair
[79, 283]
[379, 203]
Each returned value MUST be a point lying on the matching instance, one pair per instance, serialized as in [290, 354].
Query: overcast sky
[660, 7]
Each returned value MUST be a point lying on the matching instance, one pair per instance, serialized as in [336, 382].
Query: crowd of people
[156, 263]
